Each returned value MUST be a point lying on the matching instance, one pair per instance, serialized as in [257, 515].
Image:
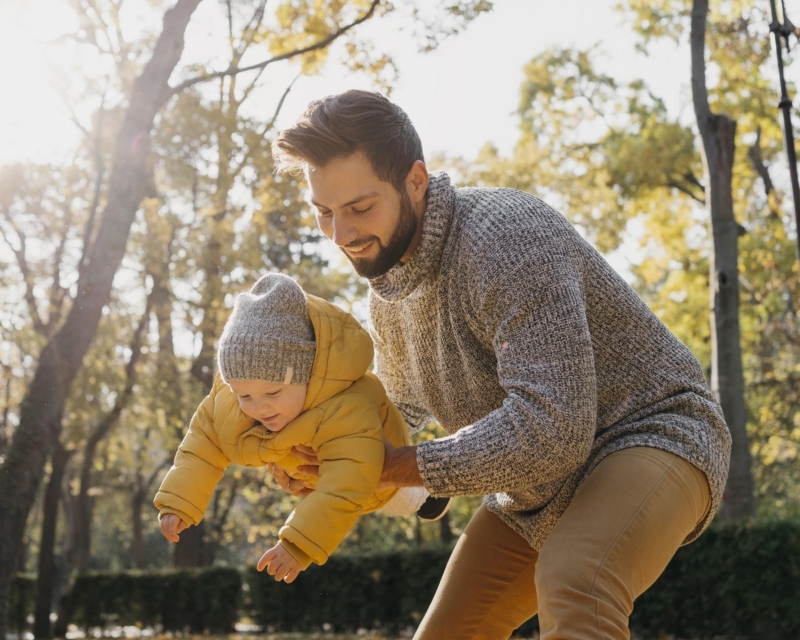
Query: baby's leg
[406, 501]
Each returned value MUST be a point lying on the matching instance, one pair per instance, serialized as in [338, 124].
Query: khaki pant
[617, 536]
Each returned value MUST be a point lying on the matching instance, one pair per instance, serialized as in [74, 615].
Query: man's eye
[323, 214]
[362, 210]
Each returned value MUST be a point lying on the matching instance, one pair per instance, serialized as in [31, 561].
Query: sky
[465, 93]
[459, 96]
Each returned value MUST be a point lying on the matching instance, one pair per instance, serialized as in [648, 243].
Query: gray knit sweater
[535, 355]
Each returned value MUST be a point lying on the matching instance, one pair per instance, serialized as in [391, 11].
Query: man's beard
[398, 244]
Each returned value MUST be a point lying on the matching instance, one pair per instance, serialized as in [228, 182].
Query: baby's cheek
[245, 409]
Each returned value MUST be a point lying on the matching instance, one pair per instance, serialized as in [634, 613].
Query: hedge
[194, 600]
[736, 581]
[388, 591]
[21, 601]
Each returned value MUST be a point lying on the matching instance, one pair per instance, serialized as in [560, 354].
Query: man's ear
[417, 182]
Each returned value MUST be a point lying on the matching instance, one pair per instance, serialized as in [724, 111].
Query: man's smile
[357, 252]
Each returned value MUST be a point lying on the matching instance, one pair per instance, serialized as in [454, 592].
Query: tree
[46, 564]
[141, 91]
[42, 407]
[718, 133]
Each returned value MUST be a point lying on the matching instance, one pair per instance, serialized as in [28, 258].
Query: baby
[293, 373]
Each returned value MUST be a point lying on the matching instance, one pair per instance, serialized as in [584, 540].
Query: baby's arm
[171, 526]
[199, 465]
[280, 563]
[350, 448]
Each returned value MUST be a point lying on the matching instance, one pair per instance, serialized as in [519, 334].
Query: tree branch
[268, 126]
[697, 39]
[677, 185]
[102, 427]
[100, 167]
[757, 160]
[284, 56]
[27, 274]
[247, 35]
[58, 292]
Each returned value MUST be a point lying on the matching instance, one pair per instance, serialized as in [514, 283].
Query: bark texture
[46, 568]
[718, 133]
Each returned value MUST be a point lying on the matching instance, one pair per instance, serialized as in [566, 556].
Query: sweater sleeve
[398, 387]
[199, 465]
[349, 445]
[531, 307]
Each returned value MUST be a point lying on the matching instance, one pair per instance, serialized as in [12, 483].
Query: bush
[388, 591]
[193, 600]
[21, 601]
[735, 581]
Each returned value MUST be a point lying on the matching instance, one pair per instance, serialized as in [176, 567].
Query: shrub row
[387, 591]
[21, 602]
[193, 600]
[735, 581]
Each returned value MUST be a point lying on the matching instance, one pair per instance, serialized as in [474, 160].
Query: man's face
[375, 226]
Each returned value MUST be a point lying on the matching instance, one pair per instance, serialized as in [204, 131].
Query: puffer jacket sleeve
[198, 467]
[349, 445]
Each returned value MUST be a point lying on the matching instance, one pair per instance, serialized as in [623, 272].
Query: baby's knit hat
[269, 335]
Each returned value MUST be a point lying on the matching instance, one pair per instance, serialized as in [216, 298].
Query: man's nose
[343, 232]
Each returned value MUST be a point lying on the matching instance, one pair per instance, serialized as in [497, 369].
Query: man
[585, 422]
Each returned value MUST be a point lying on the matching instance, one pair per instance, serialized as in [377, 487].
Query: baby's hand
[280, 563]
[171, 526]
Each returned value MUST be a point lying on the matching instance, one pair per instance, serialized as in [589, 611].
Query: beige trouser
[617, 536]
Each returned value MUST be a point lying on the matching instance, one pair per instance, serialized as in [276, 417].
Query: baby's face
[273, 405]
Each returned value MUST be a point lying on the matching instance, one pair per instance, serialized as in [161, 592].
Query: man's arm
[349, 446]
[528, 295]
[400, 467]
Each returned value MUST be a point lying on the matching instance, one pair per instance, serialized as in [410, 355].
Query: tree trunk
[196, 547]
[137, 501]
[445, 531]
[81, 532]
[190, 550]
[44, 580]
[718, 133]
[43, 404]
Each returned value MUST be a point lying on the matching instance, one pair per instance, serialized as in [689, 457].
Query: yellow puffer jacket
[345, 418]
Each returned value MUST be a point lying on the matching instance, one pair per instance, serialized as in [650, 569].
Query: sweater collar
[403, 279]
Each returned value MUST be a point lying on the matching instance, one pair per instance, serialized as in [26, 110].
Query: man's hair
[339, 125]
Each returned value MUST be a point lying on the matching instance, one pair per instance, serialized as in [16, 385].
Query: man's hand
[307, 454]
[399, 467]
[171, 526]
[296, 486]
[280, 563]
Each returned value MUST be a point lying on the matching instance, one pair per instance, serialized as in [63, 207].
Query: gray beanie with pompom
[269, 335]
